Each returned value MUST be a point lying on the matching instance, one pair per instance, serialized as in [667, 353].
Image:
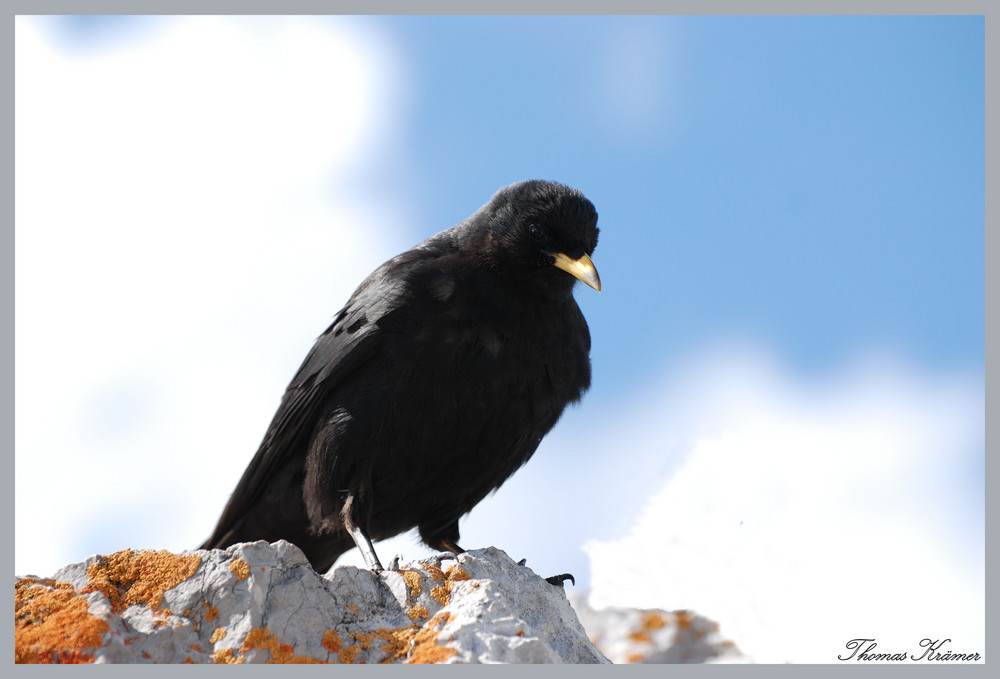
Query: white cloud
[184, 207]
[807, 512]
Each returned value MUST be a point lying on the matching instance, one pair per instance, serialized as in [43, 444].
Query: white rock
[632, 635]
[259, 602]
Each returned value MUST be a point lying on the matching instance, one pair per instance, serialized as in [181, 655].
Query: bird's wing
[350, 342]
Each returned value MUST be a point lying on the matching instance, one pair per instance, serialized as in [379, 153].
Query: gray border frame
[509, 7]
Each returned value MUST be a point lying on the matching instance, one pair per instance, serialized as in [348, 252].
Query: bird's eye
[536, 232]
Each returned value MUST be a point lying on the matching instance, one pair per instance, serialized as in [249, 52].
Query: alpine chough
[433, 385]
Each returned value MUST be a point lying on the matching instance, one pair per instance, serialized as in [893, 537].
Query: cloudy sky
[786, 426]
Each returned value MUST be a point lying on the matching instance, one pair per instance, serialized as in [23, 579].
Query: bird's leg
[445, 540]
[451, 546]
[351, 512]
[364, 544]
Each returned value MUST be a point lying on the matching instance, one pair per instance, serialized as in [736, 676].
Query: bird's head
[537, 227]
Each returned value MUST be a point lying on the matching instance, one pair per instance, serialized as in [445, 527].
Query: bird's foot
[436, 559]
[432, 560]
[558, 580]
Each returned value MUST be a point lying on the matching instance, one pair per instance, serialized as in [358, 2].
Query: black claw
[558, 580]
[436, 559]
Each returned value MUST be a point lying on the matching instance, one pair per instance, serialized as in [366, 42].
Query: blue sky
[791, 212]
[816, 181]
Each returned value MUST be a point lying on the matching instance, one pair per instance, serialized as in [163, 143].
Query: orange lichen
[347, 654]
[429, 653]
[640, 636]
[683, 619]
[435, 572]
[196, 647]
[211, 612]
[331, 641]
[397, 642]
[456, 573]
[442, 594]
[52, 623]
[653, 621]
[261, 637]
[408, 644]
[218, 635]
[240, 568]
[414, 581]
[426, 648]
[226, 657]
[635, 658]
[364, 639]
[128, 578]
[418, 613]
[188, 660]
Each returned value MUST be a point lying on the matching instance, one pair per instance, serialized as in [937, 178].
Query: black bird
[432, 386]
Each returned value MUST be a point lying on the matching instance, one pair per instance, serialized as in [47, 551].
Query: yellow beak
[582, 268]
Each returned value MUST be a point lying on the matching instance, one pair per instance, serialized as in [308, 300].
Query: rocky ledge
[260, 602]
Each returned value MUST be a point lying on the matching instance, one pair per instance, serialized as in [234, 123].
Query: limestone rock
[259, 602]
[632, 635]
